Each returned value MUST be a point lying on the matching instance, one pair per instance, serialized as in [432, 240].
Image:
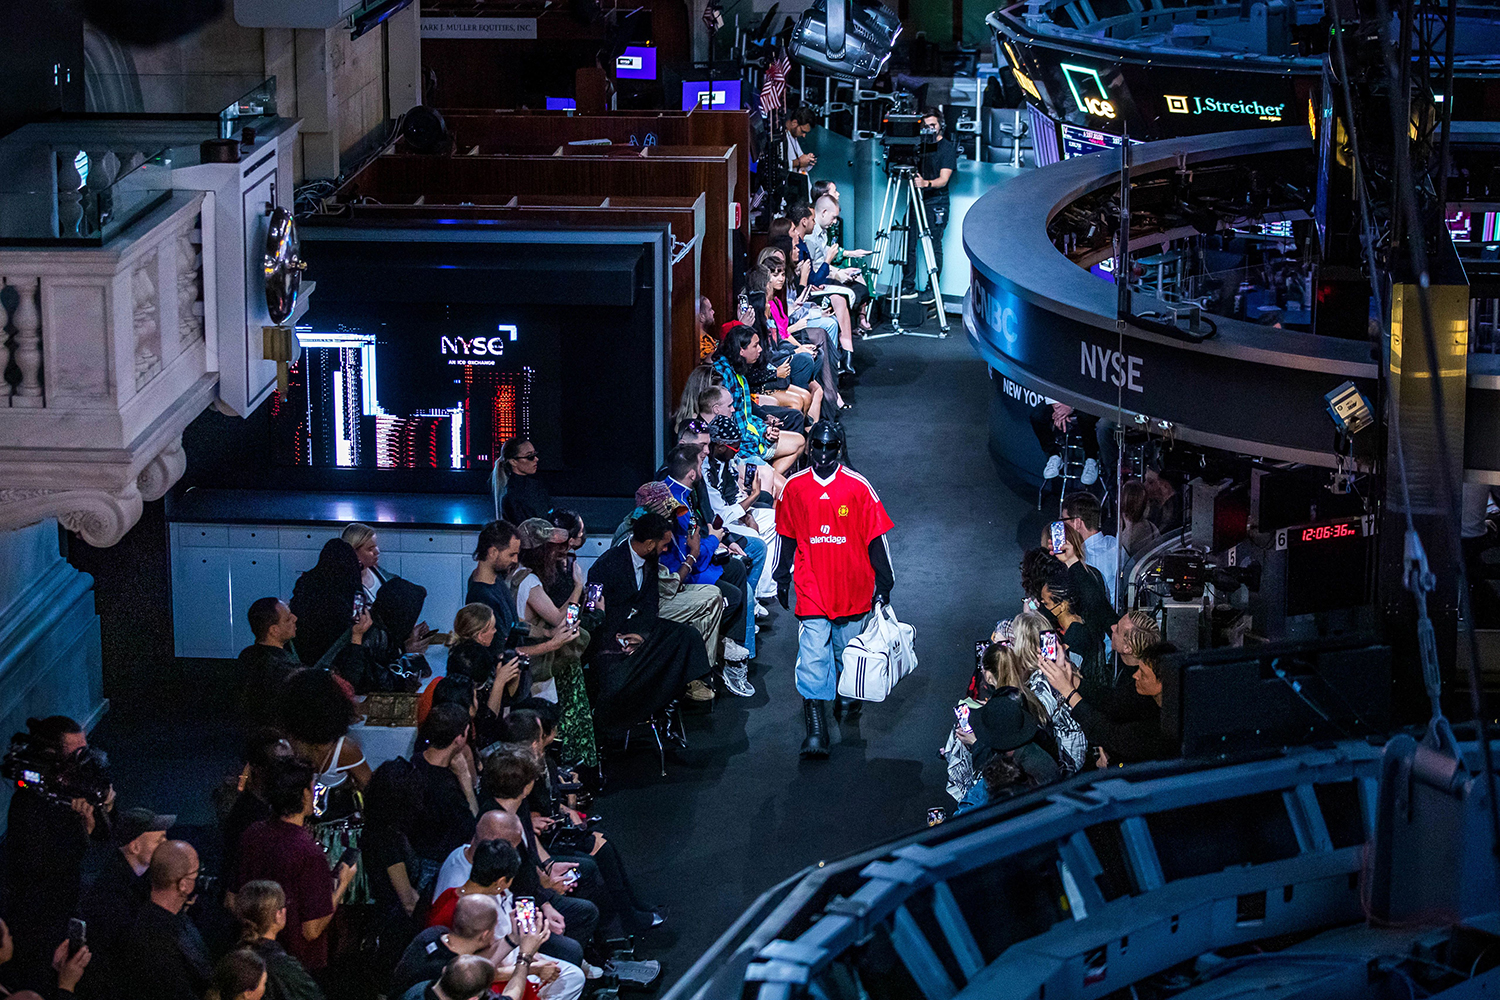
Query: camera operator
[49, 826]
[935, 169]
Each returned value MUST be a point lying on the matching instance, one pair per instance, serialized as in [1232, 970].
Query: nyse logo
[1112, 367]
[472, 347]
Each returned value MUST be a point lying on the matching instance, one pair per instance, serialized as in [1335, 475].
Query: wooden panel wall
[495, 131]
[685, 216]
[402, 179]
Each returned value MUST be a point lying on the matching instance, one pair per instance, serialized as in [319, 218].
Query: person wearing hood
[835, 557]
[387, 646]
[323, 600]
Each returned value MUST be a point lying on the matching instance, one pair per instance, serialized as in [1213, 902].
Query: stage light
[1349, 409]
[845, 38]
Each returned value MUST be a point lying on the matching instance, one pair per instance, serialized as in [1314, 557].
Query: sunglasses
[526, 458]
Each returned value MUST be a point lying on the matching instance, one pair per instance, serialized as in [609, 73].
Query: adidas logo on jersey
[825, 496]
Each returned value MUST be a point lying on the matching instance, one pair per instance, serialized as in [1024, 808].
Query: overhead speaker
[852, 39]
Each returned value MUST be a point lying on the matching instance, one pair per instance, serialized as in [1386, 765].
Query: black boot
[815, 747]
[849, 710]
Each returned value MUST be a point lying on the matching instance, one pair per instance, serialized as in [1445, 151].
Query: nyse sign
[1113, 367]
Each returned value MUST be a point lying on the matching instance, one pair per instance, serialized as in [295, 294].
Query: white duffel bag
[878, 657]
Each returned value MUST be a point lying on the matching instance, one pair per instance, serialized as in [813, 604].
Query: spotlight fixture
[851, 39]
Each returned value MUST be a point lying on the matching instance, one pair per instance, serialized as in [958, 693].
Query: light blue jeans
[756, 550]
[820, 654]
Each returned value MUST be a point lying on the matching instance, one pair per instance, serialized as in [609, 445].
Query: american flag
[773, 91]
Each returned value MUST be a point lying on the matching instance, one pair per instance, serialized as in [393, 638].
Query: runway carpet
[738, 811]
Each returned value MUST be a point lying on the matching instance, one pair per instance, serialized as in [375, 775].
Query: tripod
[901, 181]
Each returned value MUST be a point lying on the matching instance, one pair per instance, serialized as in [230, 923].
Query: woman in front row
[779, 448]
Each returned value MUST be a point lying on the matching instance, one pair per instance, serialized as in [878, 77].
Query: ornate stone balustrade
[108, 354]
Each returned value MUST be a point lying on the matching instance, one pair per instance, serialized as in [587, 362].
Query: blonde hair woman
[1072, 745]
[366, 545]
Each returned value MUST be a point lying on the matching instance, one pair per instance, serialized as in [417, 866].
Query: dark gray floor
[738, 812]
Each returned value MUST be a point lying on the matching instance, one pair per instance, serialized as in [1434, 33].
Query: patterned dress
[1072, 745]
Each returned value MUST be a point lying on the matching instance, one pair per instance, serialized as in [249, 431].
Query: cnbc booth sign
[1191, 104]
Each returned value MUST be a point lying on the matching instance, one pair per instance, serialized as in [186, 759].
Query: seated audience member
[698, 605]
[266, 663]
[491, 872]
[282, 850]
[469, 931]
[393, 801]
[1126, 724]
[1009, 725]
[366, 545]
[1059, 604]
[467, 977]
[1163, 502]
[260, 907]
[845, 281]
[1051, 422]
[787, 315]
[449, 805]
[733, 490]
[543, 552]
[386, 645]
[1081, 510]
[656, 657]
[240, 975]
[166, 958]
[68, 970]
[324, 601]
[719, 402]
[1136, 630]
[699, 381]
[823, 279]
[1023, 671]
[497, 552]
[495, 824]
[697, 546]
[316, 713]
[1136, 533]
[708, 332]
[264, 749]
[779, 448]
[1091, 596]
[518, 490]
[111, 903]
[789, 369]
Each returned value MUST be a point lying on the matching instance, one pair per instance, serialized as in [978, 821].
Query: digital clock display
[1328, 532]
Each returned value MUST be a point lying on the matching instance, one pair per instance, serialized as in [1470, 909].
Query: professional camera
[903, 137]
[82, 774]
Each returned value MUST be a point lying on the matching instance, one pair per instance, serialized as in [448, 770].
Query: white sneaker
[737, 680]
[734, 652]
[761, 611]
[591, 971]
[1054, 467]
[1090, 472]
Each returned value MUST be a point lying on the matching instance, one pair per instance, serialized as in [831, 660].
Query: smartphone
[936, 815]
[570, 617]
[1049, 645]
[744, 302]
[591, 595]
[570, 877]
[979, 648]
[718, 523]
[350, 857]
[78, 935]
[526, 915]
[359, 607]
[624, 643]
[962, 712]
[1059, 537]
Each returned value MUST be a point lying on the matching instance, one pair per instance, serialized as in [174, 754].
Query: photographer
[49, 826]
[935, 169]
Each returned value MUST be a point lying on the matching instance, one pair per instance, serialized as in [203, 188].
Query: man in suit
[642, 661]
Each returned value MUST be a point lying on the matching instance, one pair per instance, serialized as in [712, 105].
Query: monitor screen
[718, 95]
[637, 62]
[561, 104]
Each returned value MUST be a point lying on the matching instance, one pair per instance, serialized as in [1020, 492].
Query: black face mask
[824, 460]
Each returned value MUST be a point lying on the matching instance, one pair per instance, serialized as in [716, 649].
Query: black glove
[784, 595]
[883, 598]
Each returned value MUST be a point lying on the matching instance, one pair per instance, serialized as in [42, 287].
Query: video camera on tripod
[903, 135]
[52, 774]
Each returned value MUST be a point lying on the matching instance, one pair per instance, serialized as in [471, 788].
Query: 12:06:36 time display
[1325, 532]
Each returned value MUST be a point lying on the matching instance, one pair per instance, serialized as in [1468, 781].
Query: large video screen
[422, 386]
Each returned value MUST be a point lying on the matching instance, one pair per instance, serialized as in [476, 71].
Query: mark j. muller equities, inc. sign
[479, 27]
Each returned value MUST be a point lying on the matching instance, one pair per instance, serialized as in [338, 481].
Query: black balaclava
[825, 444]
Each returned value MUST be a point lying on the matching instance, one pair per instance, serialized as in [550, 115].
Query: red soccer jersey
[833, 523]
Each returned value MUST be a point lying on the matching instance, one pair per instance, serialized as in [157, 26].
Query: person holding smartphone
[1125, 722]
